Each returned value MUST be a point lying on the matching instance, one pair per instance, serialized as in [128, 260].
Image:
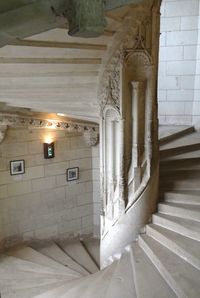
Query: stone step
[180, 210]
[184, 247]
[92, 247]
[122, 282]
[180, 275]
[185, 227]
[29, 254]
[170, 133]
[30, 292]
[57, 292]
[180, 174]
[14, 265]
[53, 251]
[193, 155]
[148, 281]
[184, 164]
[16, 280]
[179, 150]
[190, 197]
[169, 184]
[96, 286]
[77, 252]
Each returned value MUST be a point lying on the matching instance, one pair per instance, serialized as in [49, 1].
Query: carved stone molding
[3, 129]
[90, 131]
[91, 137]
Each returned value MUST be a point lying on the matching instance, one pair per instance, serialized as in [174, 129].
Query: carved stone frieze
[89, 130]
[91, 137]
[3, 129]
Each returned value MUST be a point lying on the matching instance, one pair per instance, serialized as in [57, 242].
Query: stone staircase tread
[77, 252]
[191, 139]
[30, 292]
[29, 254]
[193, 155]
[180, 197]
[148, 281]
[182, 277]
[180, 210]
[180, 174]
[183, 226]
[13, 265]
[15, 282]
[62, 289]
[122, 282]
[167, 132]
[95, 286]
[53, 251]
[93, 248]
[183, 246]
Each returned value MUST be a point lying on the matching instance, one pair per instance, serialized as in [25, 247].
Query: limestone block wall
[96, 190]
[178, 69]
[41, 204]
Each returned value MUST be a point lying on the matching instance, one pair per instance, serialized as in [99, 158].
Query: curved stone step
[122, 282]
[28, 254]
[77, 252]
[169, 133]
[179, 150]
[170, 184]
[180, 275]
[95, 286]
[184, 247]
[186, 197]
[93, 248]
[14, 265]
[181, 164]
[30, 292]
[185, 227]
[61, 290]
[186, 211]
[53, 251]
[148, 281]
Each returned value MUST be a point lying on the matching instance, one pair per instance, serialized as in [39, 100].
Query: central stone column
[86, 18]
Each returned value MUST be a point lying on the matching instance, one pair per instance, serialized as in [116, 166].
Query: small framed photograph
[72, 174]
[17, 167]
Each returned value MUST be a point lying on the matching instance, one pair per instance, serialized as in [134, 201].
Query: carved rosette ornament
[91, 137]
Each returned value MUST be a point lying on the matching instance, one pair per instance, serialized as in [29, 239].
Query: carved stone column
[138, 132]
[86, 18]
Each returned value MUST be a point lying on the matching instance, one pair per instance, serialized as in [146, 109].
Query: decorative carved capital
[91, 137]
[3, 129]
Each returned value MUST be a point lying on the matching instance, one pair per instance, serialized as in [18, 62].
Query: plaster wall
[41, 204]
[178, 68]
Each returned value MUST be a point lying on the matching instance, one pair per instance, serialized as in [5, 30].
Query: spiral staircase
[163, 263]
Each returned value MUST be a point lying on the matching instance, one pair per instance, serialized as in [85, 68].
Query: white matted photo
[72, 174]
[17, 167]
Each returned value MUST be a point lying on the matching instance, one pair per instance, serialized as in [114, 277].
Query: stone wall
[178, 71]
[41, 204]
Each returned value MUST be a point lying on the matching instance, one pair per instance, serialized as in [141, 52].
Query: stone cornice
[89, 130]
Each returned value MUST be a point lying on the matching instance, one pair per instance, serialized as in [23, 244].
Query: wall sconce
[49, 150]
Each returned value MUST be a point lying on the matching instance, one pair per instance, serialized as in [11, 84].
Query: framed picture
[17, 167]
[72, 174]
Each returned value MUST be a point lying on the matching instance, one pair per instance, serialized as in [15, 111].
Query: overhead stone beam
[112, 4]
[20, 18]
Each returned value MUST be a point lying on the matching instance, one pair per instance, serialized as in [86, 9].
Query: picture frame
[72, 174]
[17, 167]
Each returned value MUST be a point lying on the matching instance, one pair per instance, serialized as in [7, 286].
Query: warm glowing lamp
[49, 149]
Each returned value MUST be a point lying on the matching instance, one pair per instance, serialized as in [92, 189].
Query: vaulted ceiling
[54, 72]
